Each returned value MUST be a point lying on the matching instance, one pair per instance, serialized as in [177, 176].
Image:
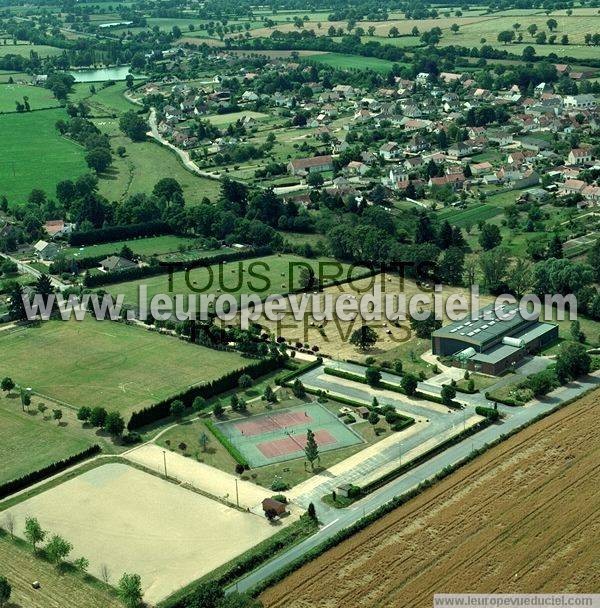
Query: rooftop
[490, 323]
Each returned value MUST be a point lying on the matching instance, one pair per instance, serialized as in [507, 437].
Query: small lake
[100, 75]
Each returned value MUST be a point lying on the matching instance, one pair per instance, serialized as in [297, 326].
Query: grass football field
[103, 363]
[157, 245]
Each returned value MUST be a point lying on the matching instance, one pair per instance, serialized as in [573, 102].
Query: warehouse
[496, 341]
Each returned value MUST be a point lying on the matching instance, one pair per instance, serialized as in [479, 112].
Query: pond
[100, 75]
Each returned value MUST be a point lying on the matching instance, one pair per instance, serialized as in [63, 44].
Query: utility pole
[165, 462]
[237, 494]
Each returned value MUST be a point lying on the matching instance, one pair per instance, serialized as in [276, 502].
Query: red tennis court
[289, 445]
[272, 422]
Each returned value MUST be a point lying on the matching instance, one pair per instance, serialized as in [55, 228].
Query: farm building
[498, 339]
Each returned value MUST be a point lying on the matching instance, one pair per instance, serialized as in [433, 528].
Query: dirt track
[525, 517]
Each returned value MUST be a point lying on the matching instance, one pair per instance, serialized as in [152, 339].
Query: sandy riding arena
[132, 521]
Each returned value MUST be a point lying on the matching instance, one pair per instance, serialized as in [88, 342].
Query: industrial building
[494, 342]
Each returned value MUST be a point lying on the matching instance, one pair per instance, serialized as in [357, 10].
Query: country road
[188, 163]
[27, 269]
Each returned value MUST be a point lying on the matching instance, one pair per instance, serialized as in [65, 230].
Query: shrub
[279, 486]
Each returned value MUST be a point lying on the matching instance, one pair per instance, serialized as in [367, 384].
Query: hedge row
[204, 260]
[489, 412]
[10, 487]
[399, 426]
[119, 276]
[438, 449]
[381, 384]
[119, 233]
[233, 451]
[287, 378]
[227, 382]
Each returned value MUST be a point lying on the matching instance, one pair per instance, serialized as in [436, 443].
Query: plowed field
[525, 517]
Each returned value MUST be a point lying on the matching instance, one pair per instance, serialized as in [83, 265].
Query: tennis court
[280, 435]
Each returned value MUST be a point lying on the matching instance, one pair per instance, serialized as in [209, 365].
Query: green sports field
[221, 120]
[281, 435]
[109, 364]
[34, 155]
[38, 97]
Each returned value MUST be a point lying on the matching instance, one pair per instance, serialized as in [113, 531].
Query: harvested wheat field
[525, 517]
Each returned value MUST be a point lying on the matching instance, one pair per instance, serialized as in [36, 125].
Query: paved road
[335, 520]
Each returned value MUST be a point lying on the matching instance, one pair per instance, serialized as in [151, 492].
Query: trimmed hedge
[204, 260]
[227, 382]
[119, 276]
[15, 485]
[403, 421]
[381, 384]
[119, 233]
[233, 451]
[381, 481]
[489, 412]
[287, 378]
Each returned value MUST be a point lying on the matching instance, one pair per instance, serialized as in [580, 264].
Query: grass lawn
[59, 589]
[113, 365]
[33, 154]
[38, 97]
[281, 273]
[157, 245]
[352, 62]
[222, 120]
[30, 441]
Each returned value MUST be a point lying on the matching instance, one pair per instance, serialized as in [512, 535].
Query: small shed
[270, 504]
[363, 411]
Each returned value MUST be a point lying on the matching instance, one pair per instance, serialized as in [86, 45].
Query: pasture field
[29, 442]
[352, 62]
[143, 165]
[108, 100]
[537, 490]
[182, 535]
[157, 245]
[38, 97]
[24, 50]
[32, 153]
[109, 364]
[58, 590]
[274, 274]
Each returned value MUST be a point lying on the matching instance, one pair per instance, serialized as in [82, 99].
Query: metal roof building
[493, 341]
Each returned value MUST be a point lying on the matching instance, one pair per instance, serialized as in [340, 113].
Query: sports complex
[279, 436]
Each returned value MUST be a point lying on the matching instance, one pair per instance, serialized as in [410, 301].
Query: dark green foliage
[10, 487]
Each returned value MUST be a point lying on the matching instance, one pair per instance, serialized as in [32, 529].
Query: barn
[494, 340]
